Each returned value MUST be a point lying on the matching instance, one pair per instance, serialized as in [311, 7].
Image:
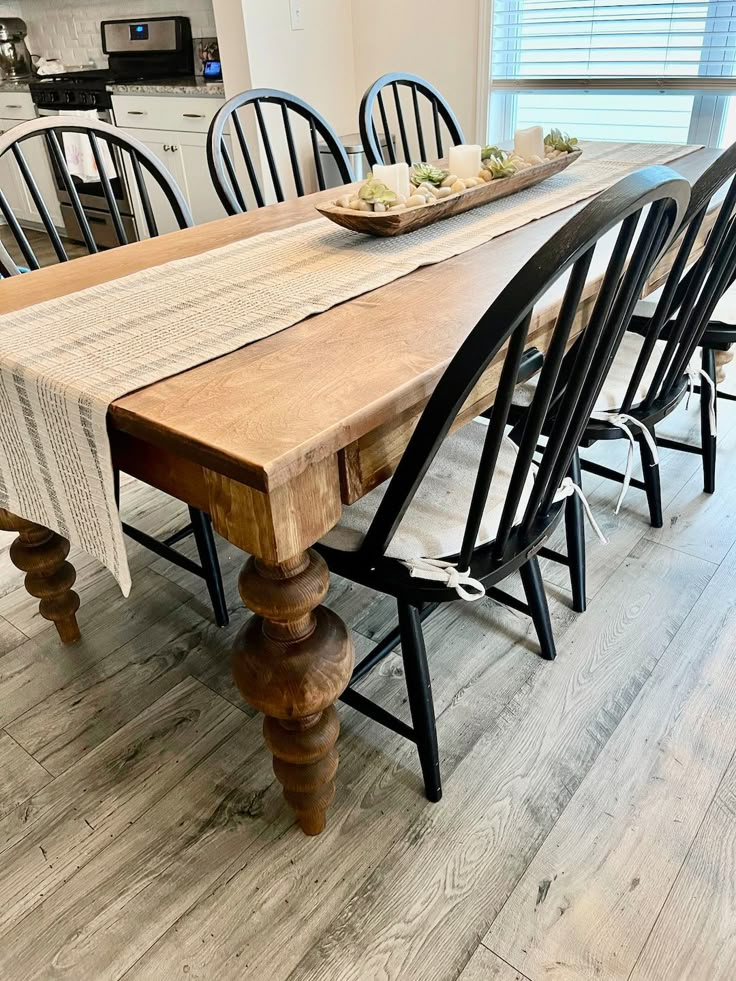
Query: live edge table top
[266, 412]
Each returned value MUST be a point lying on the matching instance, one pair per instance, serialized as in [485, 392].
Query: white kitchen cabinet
[11, 182]
[182, 150]
[16, 108]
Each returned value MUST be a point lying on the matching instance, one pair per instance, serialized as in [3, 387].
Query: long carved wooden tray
[389, 223]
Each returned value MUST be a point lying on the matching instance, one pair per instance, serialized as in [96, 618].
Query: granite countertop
[194, 85]
[8, 86]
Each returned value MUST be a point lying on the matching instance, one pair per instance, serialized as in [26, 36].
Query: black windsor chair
[463, 511]
[118, 157]
[244, 117]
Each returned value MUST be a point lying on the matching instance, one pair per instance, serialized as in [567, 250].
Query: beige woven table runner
[62, 362]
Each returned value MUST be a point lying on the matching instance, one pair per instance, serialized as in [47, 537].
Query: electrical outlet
[297, 17]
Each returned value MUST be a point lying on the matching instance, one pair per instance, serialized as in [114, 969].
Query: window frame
[497, 117]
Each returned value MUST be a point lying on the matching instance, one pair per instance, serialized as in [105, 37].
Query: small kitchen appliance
[142, 49]
[15, 61]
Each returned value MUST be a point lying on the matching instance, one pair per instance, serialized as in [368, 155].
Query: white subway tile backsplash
[72, 34]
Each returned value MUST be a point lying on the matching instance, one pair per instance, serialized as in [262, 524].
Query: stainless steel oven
[153, 47]
[89, 95]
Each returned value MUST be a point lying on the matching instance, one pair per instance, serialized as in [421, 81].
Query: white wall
[70, 29]
[435, 39]
[315, 63]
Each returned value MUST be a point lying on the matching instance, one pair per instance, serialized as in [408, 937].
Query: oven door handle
[136, 112]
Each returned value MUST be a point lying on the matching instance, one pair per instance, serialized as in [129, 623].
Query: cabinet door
[165, 147]
[35, 153]
[11, 182]
[203, 199]
[15, 187]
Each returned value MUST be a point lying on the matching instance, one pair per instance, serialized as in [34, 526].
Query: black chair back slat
[418, 120]
[442, 114]
[234, 183]
[547, 383]
[223, 168]
[270, 160]
[145, 198]
[18, 234]
[7, 265]
[59, 159]
[40, 203]
[298, 183]
[245, 150]
[492, 444]
[577, 366]
[387, 135]
[107, 190]
[690, 295]
[321, 183]
[706, 285]
[402, 125]
[437, 129]
[129, 156]
[652, 336]
[650, 243]
[569, 394]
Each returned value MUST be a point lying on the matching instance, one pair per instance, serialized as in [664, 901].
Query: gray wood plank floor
[587, 828]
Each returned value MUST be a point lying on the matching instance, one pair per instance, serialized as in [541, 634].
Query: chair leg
[650, 470]
[205, 539]
[531, 578]
[575, 536]
[419, 689]
[708, 438]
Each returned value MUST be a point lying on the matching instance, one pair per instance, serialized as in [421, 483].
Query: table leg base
[291, 661]
[41, 554]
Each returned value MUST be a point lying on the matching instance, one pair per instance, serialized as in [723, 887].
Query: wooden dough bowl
[389, 223]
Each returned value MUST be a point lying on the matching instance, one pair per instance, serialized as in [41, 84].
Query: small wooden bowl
[389, 223]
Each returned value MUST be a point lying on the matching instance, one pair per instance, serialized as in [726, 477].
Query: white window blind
[614, 69]
[591, 39]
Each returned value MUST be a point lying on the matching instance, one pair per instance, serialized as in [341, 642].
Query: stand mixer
[15, 60]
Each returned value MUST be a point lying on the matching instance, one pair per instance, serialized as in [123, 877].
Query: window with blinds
[614, 70]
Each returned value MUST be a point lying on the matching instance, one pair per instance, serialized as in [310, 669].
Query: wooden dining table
[274, 439]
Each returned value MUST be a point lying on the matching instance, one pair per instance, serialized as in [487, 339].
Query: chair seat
[434, 523]
[617, 383]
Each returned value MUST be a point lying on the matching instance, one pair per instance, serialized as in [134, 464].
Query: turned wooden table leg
[291, 662]
[41, 554]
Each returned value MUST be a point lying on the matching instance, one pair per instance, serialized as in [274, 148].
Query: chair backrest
[423, 108]
[117, 156]
[690, 294]
[240, 187]
[507, 322]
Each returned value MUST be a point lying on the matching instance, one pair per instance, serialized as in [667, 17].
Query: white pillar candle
[529, 142]
[394, 176]
[464, 160]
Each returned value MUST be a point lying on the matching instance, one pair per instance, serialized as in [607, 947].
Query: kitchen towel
[78, 154]
[64, 361]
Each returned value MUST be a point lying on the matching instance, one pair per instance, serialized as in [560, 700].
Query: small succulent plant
[499, 166]
[560, 141]
[423, 173]
[491, 151]
[376, 192]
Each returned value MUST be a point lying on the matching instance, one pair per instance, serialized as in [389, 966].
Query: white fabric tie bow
[438, 570]
[623, 421]
[693, 373]
[469, 589]
[568, 487]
